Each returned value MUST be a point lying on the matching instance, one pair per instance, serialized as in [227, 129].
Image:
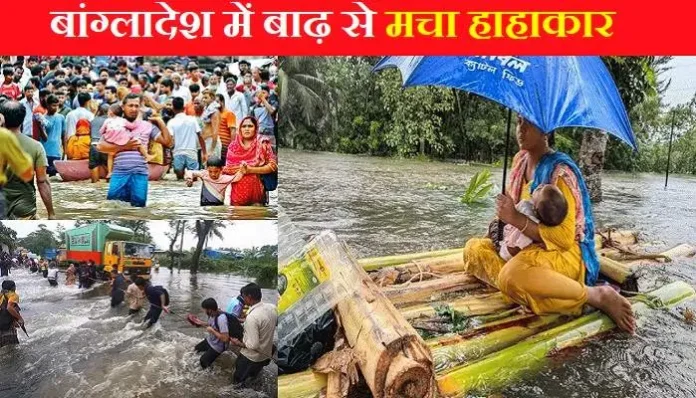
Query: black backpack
[6, 319]
[233, 325]
[270, 181]
[160, 290]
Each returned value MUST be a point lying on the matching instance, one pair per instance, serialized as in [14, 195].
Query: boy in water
[118, 131]
[53, 274]
[218, 333]
[214, 182]
[548, 206]
[134, 296]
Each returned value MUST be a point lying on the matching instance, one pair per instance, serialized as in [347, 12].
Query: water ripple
[389, 206]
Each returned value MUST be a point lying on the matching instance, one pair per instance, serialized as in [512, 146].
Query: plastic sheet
[311, 281]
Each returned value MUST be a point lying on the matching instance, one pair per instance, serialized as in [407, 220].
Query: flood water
[385, 206]
[80, 347]
[167, 199]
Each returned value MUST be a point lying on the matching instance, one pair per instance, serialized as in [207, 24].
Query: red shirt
[12, 90]
[36, 126]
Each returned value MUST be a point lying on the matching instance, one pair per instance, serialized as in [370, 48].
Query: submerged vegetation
[479, 188]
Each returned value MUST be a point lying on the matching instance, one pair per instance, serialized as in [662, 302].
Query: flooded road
[167, 199]
[80, 347]
[382, 206]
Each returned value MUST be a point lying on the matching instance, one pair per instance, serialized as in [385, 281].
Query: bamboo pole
[438, 262]
[307, 384]
[619, 273]
[373, 264]
[449, 356]
[333, 385]
[500, 369]
[456, 338]
[391, 355]
[481, 304]
[413, 293]
[631, 259]
[423, 269]
[683, 250]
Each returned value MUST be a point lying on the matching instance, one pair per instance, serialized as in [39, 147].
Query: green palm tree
[301, 88]
[8, 237]
[204, 229]
[177, 229]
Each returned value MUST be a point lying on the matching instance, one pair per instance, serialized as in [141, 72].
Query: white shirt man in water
[259, 329]
[187, 137]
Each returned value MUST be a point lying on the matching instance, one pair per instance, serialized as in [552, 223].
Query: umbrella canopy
[550, 92]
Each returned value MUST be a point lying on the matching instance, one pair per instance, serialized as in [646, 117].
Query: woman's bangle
[526, 224]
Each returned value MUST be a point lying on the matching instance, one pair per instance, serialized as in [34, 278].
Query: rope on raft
[420, 275]
[630, 255]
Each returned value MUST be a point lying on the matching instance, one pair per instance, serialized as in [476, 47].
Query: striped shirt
[132, 162]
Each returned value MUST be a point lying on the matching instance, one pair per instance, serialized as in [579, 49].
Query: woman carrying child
[557, 273]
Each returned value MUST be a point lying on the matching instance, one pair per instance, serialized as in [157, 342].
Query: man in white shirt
[180, 90]
[235, 101]
[80, 113]
[187, 136]
[53, 274]
[259, 329]
[29, 103]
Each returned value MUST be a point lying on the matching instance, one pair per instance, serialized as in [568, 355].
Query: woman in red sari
[249, 156]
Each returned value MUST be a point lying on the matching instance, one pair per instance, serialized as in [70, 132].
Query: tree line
[258, 263]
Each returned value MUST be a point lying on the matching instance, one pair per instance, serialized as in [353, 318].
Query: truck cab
[129, 258]
[109, 246]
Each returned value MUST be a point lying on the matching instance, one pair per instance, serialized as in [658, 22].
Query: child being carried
[548, 207]
[118, 131]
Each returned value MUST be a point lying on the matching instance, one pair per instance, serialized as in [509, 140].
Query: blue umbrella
[550, 92]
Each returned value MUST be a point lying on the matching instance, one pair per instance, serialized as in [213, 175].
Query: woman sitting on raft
[556, 274]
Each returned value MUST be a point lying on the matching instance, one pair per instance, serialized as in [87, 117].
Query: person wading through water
[129, 181]
[135, 297]
[259, 329]
[10, 318]
[218, 333]
[53, 274]
[118, 288]
[159, 301]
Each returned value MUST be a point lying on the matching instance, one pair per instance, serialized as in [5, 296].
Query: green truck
[110, 247]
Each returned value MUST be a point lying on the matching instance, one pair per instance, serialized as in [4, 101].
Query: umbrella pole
[505, 166]
[669, 151]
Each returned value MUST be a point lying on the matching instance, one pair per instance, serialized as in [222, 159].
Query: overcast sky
[241, 234]
[683, 75]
